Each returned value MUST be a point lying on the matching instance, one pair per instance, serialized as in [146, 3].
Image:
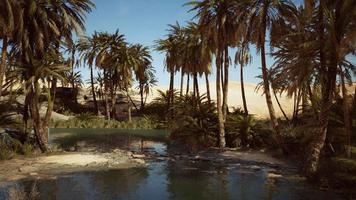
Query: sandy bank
[52, 165]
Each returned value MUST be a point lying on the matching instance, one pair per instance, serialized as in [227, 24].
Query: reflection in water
[168, 179]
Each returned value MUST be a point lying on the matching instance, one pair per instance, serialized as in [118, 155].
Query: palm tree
[338, 19]
[9, 14]
[41, 29]
[88, 50]
[243, 58]
[172, 46]
[259, 15]
[326, 36]
[72, 50]
[144, 71]
[217, 22]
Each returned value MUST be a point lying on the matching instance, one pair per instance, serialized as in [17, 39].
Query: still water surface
[168, 179]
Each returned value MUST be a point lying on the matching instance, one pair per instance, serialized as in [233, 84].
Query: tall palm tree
[40, 30]
[88, 50]
[337, 18]
[9, 14]
[243, 58]
[217, 22]
[144, 72]
[325, 31]
[172, 46]
[260, 15]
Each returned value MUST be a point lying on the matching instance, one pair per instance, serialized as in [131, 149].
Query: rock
[72, 149]
[81, 144]
[33, 174]
[161, 158]
[255, 167]
[116, 151]
[139, 161]
[138, 156]
[273, 175]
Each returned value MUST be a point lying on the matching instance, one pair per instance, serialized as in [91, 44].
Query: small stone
[33, 174]
[138, 156]
[116, 151]
[273, 175]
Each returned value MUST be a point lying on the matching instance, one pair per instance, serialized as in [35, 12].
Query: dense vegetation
[311, 45]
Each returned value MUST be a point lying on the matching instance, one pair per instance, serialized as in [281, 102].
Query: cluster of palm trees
[310, 44]
[32, 34]
[37, 36]
[118, 63]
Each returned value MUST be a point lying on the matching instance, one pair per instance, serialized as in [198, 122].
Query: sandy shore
[48, 166]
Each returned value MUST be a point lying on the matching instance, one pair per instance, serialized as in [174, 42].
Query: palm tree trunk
[243, 89]
[328, 78]
[113, 104]
[222, 142]
[207, 87]
[279, 104]
[181, 82]
[196, 85]
[187, 91]
[171, 87]
[107, 107]
[266, 85]
[3, 62]
[226, 83]
[354, 101]
[170, 96]
[347, 120]
[39, 127]
[93, 90]
[51, 99]
[141, 95]
[72, 71]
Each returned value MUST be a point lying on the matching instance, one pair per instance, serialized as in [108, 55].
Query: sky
[144, 21]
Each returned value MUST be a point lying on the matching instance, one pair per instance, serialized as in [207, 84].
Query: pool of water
[171, 179]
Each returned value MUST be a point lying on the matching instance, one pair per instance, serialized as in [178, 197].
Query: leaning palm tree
[42, 28]
[326, 36]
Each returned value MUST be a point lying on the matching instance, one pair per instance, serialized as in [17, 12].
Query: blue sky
[144, 21]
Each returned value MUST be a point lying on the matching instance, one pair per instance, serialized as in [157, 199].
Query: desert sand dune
[256, 102]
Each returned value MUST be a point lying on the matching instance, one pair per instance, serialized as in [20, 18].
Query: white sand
[256, 102]
[75, 159]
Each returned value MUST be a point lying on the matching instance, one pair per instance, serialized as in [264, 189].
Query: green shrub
[26, 149]
[5, 152]
[195, 122]
[248, 131]
[91, 121]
